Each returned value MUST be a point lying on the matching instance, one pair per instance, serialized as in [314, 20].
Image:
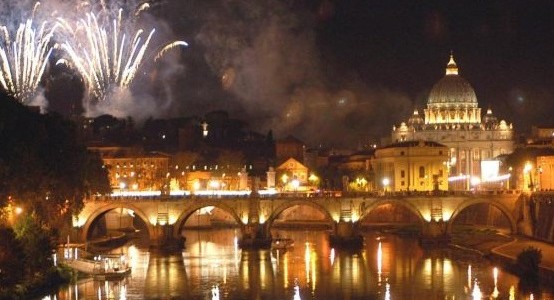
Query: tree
[43, 166]
[37, 243]
[11, 258]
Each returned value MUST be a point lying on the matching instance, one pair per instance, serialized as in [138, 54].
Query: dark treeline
[45, 173]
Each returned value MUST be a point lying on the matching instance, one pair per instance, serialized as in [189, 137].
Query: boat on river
[101, 267]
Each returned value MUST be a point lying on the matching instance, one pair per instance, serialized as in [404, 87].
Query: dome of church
[416, 119]
[452, 91]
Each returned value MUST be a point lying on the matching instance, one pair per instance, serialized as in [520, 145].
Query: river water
[388, 267]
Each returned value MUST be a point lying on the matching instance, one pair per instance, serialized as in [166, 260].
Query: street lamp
[295, 184]
[386, 183]
[475, 181]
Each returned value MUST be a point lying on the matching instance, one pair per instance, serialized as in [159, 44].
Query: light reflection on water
[213, 267]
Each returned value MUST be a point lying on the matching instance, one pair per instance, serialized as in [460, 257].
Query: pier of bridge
[165, 216]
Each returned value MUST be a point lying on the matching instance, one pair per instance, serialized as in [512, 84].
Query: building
[289, 147]
[411, 166]
[292, 176]
[544, 173]
[453, 118]
[130, 169]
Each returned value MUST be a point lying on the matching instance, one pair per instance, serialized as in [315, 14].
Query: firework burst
[108, 57]
[23, 59]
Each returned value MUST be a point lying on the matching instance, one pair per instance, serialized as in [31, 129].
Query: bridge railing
[309, 194]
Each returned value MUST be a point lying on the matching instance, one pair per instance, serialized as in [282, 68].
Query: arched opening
[300, 225]
[209, 229]
[300, 214]
[481, 217]
[391, 216]
[113, 226]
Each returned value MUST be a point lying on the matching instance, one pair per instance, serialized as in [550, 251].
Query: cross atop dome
[451, 67]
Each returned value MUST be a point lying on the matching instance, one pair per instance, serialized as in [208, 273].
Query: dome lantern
[451, 67]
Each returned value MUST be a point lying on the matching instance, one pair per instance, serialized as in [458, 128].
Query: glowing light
[222, 193]
[108, 56]
[18, 210]
[295, 183]
[476, 294]
[24, 59]
[457, 178]
[512, 293]
[379, 262]
[267, 192]
[355, 216]
[386, 182]
[387, 291]
[498, 178]
[172, 219]
[214, 184]
[296, 292]
[179, 193]
[244, 219]
[469, 276]
[78, 222]
[528, 167]
[475, 181]
[215, 292]
[495, 292]
[332, 256]
[262, 218]
[167, 48]
[205, 210]
[196, 185]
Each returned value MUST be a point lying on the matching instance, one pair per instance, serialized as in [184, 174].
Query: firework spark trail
[99, 59]
[168, 47]
[24, 59]
[105, 56]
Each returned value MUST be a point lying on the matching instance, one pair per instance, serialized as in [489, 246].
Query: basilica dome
[452, 91]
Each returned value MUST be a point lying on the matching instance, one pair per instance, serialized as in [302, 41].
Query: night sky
[342, 73]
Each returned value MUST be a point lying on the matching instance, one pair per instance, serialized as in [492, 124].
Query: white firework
[24, 58]
[108, 56]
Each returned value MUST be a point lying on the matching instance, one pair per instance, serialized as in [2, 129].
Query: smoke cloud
[260, 60]
[266, 55]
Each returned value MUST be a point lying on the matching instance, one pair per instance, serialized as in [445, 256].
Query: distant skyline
[342, 73]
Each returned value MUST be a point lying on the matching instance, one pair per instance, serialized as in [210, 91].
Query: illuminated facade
[453, 118]
[544, 173]
[411, 166]
[130, 169]
[292, 175]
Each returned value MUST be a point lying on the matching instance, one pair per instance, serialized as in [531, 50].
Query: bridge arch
[115, 205]
[505, 211]
[288, 204]
[183, 217]
[366, 210]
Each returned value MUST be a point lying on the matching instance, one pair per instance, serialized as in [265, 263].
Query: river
[388, 267]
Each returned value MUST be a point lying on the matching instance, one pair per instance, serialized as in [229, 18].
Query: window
[402, 153]
[402, 174]
[402, 183]
[421, 172]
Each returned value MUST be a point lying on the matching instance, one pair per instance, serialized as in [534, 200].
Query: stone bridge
[165, 216]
